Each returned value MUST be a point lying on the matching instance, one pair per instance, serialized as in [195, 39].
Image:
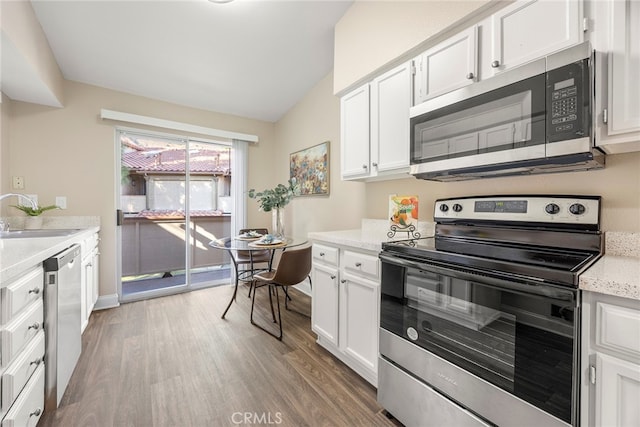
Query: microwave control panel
[568, 102]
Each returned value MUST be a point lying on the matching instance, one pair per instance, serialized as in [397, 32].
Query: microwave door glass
[503, 119]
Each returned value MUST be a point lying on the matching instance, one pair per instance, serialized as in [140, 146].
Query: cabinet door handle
[343, 281]
[321, 253]
[470, 76]
[495, 64]
[365, 167]
[35, 326]
[34, 291]
[36, 362]
[332, 277]
[375, 165]
[35, 413]
[358, 264]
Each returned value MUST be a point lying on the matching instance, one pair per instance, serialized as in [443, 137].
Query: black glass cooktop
[560, 266]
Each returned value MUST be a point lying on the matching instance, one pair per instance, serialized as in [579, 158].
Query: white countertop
[614, 275]
[18, 255]
[370, 237]
[618, 271]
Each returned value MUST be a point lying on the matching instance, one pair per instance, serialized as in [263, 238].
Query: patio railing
[157, 245]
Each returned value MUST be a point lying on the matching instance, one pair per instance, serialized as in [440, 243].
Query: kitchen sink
[29, 234]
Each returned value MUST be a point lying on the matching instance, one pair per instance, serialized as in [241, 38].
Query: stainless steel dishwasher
[62, 322]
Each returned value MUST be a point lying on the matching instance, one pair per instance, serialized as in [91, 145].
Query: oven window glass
[502, 119]
[522, 343]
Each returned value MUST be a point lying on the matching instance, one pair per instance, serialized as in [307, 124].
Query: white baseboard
[107, 301]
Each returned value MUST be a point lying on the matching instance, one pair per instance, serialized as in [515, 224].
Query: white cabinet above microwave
[521, 32]
[447, 66]
[527, 30]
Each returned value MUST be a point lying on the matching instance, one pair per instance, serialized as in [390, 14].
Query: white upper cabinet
[616, 38]
[354, 132]
[447, 66]
[624, 67]
[390, 103]
[530, 29]
[375, 127]
[521, 32]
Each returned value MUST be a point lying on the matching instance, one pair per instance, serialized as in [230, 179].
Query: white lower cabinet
[27, 409]
[22, 349]
[325, 301]
[89, 278]
[618, 396]
[610, 381]
[345, 306]
[359, 313]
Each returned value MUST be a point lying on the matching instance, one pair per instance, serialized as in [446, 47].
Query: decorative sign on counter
[403, 216]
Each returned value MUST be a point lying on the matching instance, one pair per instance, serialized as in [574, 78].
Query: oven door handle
[541, 288]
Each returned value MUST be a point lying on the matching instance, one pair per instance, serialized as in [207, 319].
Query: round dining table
[239, 243]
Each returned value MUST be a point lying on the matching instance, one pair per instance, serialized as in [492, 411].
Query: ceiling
[250, 58]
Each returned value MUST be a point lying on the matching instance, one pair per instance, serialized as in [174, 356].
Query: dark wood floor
[173, 361]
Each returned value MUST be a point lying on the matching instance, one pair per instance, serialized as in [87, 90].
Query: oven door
[519, 337]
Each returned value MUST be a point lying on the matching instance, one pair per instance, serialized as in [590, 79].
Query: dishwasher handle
[57, 262]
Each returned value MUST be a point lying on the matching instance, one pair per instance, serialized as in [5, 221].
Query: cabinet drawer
[18, 373]
[21, 330]
[325, 254]
[20, 293]
[27, 409]
[363, 264]
[88, 244]
[618, 328]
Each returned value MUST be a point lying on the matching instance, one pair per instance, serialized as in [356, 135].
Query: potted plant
[274, 200]
[34, 220]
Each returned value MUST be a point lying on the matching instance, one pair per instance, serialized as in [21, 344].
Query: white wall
[374, 33]
[4, 148]
[71, 152]
[315, 119]
[23, 35]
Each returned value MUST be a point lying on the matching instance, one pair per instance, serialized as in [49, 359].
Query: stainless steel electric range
[479, 325]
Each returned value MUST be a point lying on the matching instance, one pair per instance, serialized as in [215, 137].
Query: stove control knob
[552, 208]
[577, 208]
[444, 208]
[457, 207]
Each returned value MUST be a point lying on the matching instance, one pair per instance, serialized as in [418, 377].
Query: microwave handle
[496, 282]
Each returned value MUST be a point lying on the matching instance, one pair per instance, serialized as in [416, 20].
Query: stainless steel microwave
[535, 118]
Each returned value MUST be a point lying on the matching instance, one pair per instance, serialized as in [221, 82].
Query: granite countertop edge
[20, 255]
[615, 275]
[351, 238]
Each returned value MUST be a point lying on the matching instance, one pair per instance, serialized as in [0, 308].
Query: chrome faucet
[4, 226]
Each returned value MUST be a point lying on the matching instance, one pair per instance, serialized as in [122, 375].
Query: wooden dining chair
[251, 258]
[294, 267]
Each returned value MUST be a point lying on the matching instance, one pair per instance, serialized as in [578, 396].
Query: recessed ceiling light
[220, 1]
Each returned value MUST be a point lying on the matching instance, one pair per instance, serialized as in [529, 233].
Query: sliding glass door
[174, 197]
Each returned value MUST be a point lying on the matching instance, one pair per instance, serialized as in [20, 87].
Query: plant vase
[33, 223]
[277, 222]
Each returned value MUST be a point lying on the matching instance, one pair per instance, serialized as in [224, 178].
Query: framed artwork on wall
[310, 168]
